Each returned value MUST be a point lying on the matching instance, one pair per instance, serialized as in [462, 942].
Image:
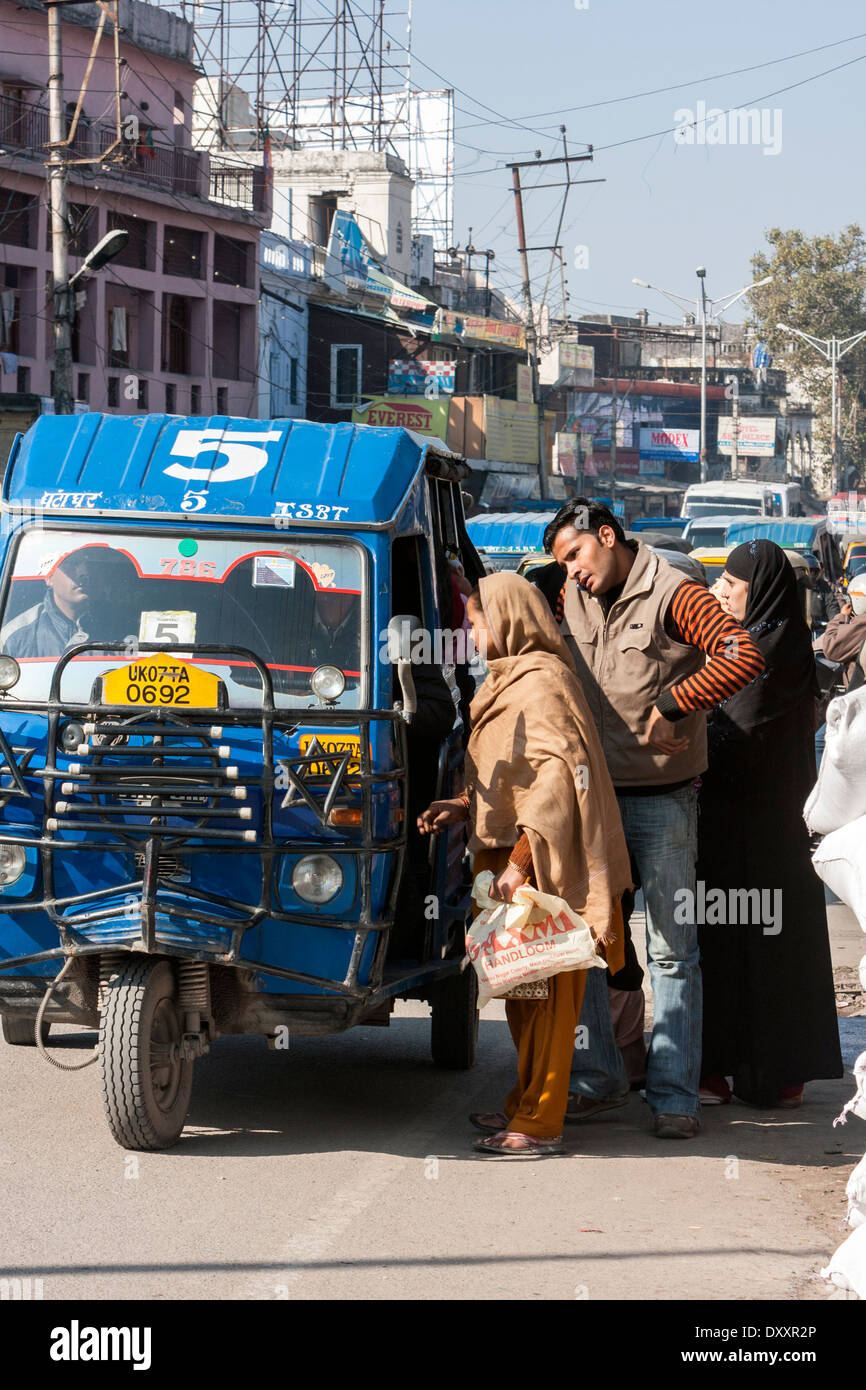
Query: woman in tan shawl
[543, 810]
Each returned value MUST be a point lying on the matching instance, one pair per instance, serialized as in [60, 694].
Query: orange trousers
[543, 1032]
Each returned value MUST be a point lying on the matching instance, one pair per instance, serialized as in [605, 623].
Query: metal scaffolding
[326, 74]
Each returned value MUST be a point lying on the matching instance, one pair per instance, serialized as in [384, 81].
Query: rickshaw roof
[515, 531]
[218, 469]
[785, 531]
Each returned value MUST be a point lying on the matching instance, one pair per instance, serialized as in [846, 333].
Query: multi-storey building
[171, 323]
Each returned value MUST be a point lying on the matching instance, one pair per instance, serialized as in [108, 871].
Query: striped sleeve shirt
[697, 619]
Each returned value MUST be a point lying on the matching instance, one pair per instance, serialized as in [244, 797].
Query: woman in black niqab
[769, 1003]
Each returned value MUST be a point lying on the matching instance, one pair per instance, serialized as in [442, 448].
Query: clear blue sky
[665, 208]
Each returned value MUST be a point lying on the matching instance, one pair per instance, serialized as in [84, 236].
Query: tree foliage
[819, 286]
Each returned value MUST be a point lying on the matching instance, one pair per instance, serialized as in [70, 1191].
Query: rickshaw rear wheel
[145, 1087]
[454, 1030]
[21, 1032]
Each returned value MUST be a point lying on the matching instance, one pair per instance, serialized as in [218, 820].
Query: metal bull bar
[176, 791]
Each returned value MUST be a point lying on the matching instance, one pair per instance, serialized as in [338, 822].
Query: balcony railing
[24, 127]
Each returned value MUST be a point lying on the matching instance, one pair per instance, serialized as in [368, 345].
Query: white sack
[839, 795]
[840, 860]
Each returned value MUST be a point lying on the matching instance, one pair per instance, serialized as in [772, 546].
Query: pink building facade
[171, 323]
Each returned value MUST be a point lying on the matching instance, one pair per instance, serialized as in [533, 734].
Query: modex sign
[660, 445]
[756, 436]
[406, 412]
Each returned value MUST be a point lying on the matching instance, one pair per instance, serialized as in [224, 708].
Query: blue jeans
[661, 833]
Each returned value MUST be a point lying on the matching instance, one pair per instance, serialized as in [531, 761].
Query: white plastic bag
[857, 1104]
[855, 1191]
[840, 860]
[531, 938]
[847, 1267]
[839, 795]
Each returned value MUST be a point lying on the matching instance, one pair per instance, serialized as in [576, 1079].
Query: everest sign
[669, 445]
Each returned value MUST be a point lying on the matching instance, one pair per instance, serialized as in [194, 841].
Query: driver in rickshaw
[78, 588]
[335, 631]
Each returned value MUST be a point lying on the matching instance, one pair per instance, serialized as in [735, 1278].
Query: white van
[742, 499]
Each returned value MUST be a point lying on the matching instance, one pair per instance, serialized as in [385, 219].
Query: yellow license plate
[162, 681]
[334, 746]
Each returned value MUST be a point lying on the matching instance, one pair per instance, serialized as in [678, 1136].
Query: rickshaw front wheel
[454, 1028]
[146, 1084]
[21, 1032]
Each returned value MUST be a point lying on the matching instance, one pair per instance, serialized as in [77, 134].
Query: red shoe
[714, 1090]
[790, 1097]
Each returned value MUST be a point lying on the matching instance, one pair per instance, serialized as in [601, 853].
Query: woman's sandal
[490, 1122]
[528, 1147]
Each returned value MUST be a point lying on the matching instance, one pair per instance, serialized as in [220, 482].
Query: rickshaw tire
[132, 996]
[454, 1025]
[21, 1032]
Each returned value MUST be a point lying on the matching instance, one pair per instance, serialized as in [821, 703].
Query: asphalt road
[343, 1169]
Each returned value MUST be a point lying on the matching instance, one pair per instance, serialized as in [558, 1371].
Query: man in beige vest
[641, 634]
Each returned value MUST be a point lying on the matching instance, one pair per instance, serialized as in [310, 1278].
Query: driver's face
[77, 579]
[333, 608]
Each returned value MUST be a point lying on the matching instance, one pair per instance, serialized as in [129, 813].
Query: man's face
[333, 608]
[76, 580]
[587, 558]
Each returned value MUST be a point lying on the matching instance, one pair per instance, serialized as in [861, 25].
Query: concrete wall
[375, 187]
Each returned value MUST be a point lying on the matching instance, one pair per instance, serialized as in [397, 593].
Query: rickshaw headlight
[328, 683]
[317, 878]
[10, 672]
[12, 864]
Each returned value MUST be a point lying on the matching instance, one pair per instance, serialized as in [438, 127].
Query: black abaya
[769, 1004]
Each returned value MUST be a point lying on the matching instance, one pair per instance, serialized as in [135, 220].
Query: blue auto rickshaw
[208, 630]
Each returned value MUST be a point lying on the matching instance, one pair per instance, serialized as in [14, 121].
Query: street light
[714, 308]
[833, 349]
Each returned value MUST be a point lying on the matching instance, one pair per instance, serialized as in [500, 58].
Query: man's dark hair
[583, 515]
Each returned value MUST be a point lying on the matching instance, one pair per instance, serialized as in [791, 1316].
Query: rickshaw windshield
[295, 603]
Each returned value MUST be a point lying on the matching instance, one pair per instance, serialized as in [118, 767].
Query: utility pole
[833, 349]
[523, 250]
[57, 171]
[702, 302]
[614, 412]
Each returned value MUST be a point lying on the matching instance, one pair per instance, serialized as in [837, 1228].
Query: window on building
[195, 400]
[10, 309]
[142, 394]
[226, 340]
[346, 363]
[138, 251]
[183, 252]
[398, 239]
[18, 218]
[118, 336]
[23, 379]
[170, 398]
[113, 392]
[82, 387]
[293, 381]
[176, 313]
[322, 212]
[222, 400]
[179, 118]
[231, 261]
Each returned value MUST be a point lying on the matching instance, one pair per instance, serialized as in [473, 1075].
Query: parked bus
[743, 498]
